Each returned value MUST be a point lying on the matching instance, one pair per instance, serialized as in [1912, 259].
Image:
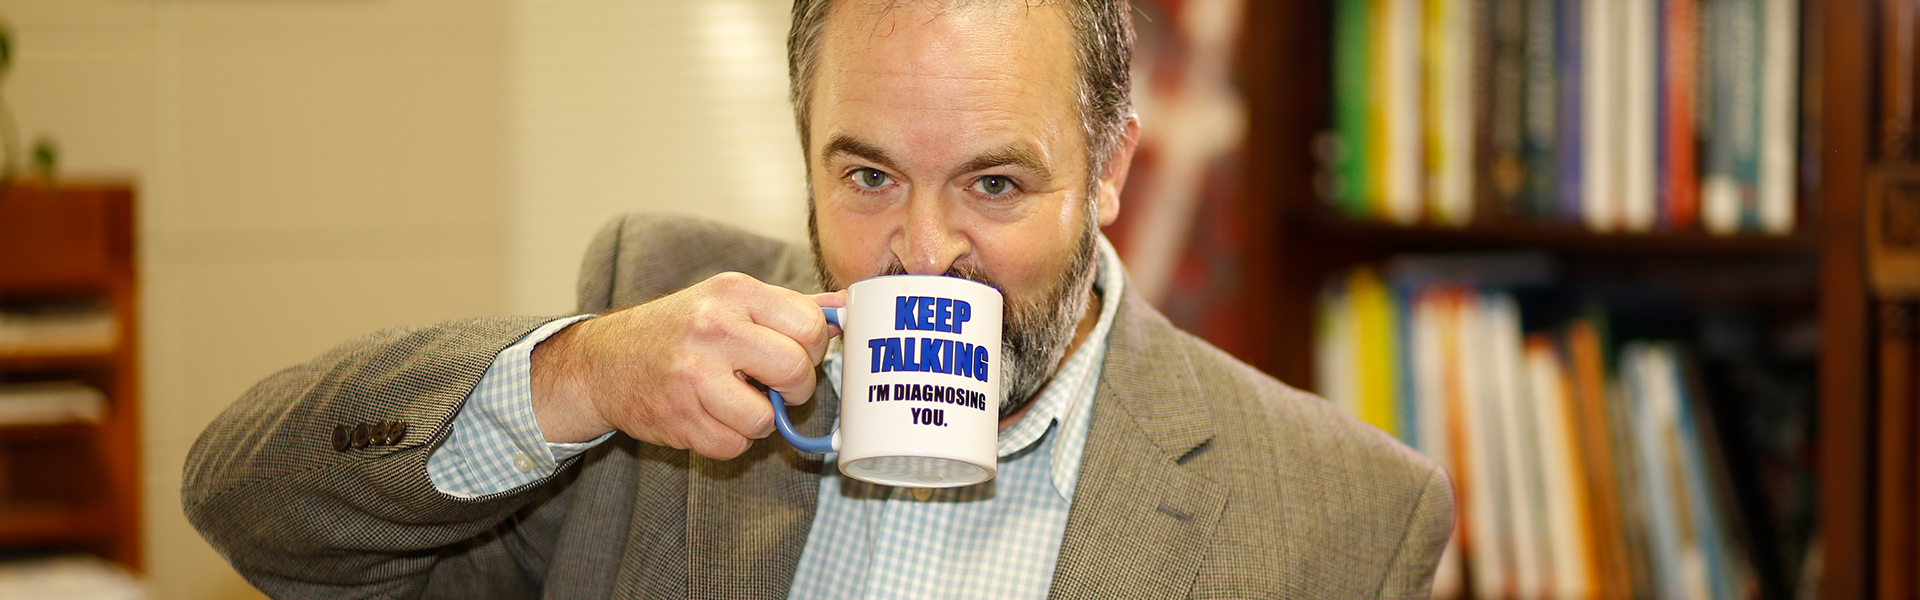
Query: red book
[1679, 66]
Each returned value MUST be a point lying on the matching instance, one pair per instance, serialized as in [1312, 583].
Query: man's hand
[674, 371]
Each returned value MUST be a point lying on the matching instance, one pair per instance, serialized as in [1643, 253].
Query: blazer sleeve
[300, 517]
[1410, 575]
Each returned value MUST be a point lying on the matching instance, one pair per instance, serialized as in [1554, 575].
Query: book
[1522, 469]
[1508, 117]
[1779, 117]
[1449, 61]
[1432, 336]
[1334, 349]
[1542, 143]
[1376, 345]
[1569, 78]
[1729, 169]
[1602, 74]
[1677, 152]
[1490, 541]
[1567, 507]
[1582, 352]
[1639, 128]
[1352, 99]
[1399, 95]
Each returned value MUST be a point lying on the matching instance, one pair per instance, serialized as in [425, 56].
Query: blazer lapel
[748, 518]
[1140, 522]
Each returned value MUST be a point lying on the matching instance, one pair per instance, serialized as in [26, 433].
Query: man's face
[948, 141]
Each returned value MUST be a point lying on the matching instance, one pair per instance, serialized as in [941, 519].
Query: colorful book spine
[1449, 60]
[1543, 138]
[1730, 169]
[1377, 353]
[1678, 155]
[1352, 96]
[1508, 111]
[1569, 76]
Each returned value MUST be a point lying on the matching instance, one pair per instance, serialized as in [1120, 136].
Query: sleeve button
[522, 464]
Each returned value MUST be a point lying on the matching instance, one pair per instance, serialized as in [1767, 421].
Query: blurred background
[1638, 273]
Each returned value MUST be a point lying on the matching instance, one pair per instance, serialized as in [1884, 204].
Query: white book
[1402, 96]
[1639, 132]
[1565, 485]
[1600, 118]
[1334, 350]
[1489, 544]
[1653, 440]
[1779, 114]
[1520, 448]
[1428, 341]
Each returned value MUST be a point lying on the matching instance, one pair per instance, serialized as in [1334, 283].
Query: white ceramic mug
[920, 383]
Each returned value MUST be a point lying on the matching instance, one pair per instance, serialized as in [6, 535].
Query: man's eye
[993, 185]
[869, 178]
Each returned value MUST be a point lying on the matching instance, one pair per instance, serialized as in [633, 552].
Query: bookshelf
[68, 314]
[1818, 272]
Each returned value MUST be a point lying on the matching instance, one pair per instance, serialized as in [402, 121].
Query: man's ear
[1113, 175]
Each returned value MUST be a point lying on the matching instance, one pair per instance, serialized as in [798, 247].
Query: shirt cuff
[496, 444]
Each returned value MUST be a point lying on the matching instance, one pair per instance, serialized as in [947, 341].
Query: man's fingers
[798, 318]
[776, 362]
[739, 406]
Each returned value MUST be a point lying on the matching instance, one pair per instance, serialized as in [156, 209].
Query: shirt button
[522, 464]
[922, 494]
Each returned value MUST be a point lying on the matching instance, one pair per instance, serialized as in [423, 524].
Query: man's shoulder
[1266, 431]
[1292, 422]
[636, 257]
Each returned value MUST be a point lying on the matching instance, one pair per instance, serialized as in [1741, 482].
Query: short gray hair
[1103, 49]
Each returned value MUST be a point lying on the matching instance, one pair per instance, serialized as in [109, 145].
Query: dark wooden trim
[1842, 35]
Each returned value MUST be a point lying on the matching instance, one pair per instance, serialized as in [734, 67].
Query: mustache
[970, 271]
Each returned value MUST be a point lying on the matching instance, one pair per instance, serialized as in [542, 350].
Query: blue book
[1569, 39]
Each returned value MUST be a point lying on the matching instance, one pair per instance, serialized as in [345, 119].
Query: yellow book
[1377, 348]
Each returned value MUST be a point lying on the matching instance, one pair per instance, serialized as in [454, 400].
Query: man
[623, 455]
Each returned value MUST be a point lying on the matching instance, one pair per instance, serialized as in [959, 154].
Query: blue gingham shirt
[999, 539]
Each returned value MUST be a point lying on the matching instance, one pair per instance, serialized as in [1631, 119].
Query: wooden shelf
[53, 524]
[73, 484]
[93, 359]
[1322, 222]
[43, 432]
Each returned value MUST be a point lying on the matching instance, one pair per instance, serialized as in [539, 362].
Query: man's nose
[930, 241]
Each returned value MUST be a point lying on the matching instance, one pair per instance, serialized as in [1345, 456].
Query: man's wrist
[562, 400]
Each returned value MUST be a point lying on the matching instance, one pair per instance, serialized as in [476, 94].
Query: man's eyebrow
[1018, 156]
[842, 144]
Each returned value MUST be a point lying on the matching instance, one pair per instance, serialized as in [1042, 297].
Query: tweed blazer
[1202, 478]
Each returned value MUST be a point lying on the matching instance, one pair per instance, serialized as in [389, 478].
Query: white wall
[308, 171]
[619, 105]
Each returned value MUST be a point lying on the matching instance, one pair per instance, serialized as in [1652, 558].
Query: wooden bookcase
[72, 486]
[1286, 73]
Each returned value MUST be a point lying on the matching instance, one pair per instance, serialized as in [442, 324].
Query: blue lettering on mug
[926, 313]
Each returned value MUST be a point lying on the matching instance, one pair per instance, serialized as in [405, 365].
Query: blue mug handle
[819, 445]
